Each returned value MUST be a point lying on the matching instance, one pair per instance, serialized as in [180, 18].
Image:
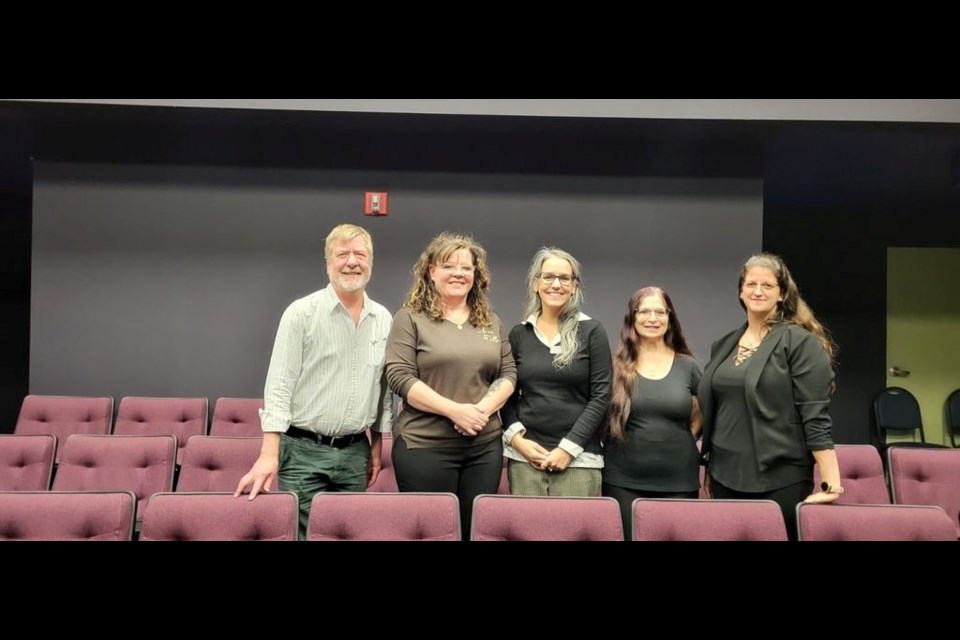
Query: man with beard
[325, 384]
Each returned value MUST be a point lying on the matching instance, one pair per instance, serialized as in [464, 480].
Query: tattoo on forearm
[499, 382]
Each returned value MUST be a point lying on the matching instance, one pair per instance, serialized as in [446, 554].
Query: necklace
[747, 347]
[458, 314]
[742, 354]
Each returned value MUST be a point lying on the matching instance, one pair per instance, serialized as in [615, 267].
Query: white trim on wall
[943, 111]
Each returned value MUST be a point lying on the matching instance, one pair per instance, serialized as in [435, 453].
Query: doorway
[923, 330]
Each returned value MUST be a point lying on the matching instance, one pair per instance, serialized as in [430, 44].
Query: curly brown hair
[423, 297]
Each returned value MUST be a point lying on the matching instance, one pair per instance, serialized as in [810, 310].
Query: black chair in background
[896, 410]
[952, 408]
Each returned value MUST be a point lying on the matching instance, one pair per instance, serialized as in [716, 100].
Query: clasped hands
[469, 419]
[540, 458]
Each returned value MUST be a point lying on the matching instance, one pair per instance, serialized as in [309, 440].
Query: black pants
[786, 497]
[626, 497]
[464, 471]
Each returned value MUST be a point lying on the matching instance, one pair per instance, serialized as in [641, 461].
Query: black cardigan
[570, 403]
[787, 392]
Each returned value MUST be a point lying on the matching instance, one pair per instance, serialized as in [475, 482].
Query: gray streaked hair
[570, 314]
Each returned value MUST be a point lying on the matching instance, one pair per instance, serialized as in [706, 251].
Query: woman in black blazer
[764, 397]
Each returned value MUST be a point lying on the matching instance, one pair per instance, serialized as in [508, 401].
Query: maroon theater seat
[668, 519]
[384, 516]
[504, 488]
[237, 417]
[386, 482]
[926, 476]
[67, 515]
[26, 462]
[212, 463]
[861, 475]
[503, 518]
[62, 416]
[141, 464]
[181, 417]
[270, 517]
[872, 522]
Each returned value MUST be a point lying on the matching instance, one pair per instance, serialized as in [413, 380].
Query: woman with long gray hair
[550, 422]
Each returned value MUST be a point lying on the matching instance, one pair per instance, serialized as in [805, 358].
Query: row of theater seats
[145, 465]
[917, 476]
[185, 418]
[207, 463]
[100, 516]
[913, 476]
[115, 516]
[62, 416]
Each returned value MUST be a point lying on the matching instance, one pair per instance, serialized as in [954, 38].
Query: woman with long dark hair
[765, 395]
[654, 418]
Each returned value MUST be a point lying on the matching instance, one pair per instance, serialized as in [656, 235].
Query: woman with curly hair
[448, 357]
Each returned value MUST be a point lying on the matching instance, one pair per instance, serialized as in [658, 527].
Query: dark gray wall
[834, 200]
[170, 280]
[16, 179]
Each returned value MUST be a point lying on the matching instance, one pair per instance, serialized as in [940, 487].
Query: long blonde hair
[423, 297]
[792, 309]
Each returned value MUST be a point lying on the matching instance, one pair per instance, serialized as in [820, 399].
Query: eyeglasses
[565, 279]
[765, 286]
[659, 314]
[457, 268]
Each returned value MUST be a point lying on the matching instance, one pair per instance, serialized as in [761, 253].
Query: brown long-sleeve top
[458, 363]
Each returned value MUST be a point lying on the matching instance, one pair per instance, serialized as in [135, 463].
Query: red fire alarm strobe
[375, 203]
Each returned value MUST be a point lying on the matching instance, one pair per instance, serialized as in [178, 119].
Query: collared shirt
[326, 374]
[580, 457]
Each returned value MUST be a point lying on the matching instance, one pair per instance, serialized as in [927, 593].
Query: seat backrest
[64, 415]
[861, 475]
[26, 462]
[926, 476]
[237, 417]
[952, 415]
[896, 409]
[270, 517]
[386, 482]
[872, 522]
[668, 519]
[499, 517]
[141, 464]
[67, 515]
[212, 463]
[702, 493]
[504, 487]
[384, 516]
[181, 417]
